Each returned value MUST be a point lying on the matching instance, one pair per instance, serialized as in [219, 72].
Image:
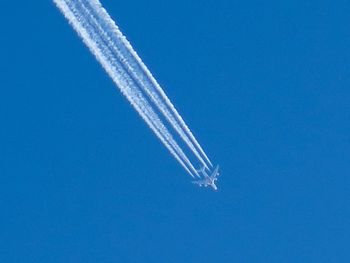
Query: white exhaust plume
[114, 52]
[138, 71]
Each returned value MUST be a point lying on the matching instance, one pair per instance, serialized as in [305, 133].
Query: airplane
[209, 180]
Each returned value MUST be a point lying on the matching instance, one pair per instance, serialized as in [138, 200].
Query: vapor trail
[140, 73]
[134, 93]
[122, 80]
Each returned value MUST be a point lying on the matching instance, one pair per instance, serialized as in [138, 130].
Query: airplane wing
[215, 172]
[209, 180]
[201, 182]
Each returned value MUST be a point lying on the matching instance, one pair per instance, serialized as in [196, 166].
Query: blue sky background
[264, 85]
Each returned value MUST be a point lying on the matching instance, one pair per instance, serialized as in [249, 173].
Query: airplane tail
[201, 170]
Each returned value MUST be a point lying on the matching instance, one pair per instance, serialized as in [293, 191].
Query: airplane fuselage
[209, 180]
[213, 185]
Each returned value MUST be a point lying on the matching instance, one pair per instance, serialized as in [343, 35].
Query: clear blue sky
[264, 85]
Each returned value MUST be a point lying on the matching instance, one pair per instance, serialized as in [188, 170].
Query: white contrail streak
[140, 73]
[110, 47]
[132, 92]
[122, 80]
[135, 93]
[147, 86]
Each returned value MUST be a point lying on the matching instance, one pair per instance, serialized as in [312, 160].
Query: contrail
[140, 73]
[114, 52]
[135, 93]
[122, 80]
